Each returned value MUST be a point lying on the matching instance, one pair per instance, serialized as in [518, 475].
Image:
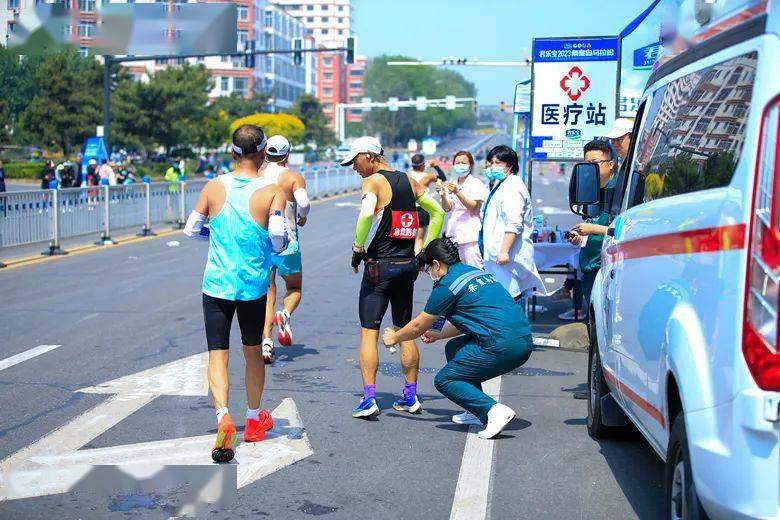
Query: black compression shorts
[395, 287]
[218, 315]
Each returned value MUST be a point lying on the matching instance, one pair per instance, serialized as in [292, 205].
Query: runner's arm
[195, 222]
[277, 224]
[433, 208]
[367, 211]
[300, 195]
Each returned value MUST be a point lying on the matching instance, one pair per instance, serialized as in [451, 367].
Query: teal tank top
[239, 260]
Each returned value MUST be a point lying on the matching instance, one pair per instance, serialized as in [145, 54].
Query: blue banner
[579, 49]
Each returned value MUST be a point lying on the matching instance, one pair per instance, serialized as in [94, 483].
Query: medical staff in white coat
[507, 223]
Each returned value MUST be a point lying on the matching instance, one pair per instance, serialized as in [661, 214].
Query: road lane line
[476, 469]
[27, 354]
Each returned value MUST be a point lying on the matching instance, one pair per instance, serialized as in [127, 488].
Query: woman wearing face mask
[507, 223]
[462, 200]
[493, 334]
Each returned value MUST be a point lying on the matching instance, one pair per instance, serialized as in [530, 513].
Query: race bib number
[404, 225]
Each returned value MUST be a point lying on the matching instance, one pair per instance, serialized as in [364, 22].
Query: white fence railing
[35, 216]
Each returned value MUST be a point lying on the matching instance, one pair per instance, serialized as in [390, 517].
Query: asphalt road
[131, 308]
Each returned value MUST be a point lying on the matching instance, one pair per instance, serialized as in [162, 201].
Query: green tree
[66, 107]
[383, 81]
[681, 174]
[130, 123]
[176, 101]
[317, 134]
[236, 105]
[718, 170]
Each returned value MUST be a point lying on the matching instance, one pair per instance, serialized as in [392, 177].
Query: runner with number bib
[384, 240]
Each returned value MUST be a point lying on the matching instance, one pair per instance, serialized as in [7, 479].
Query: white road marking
[27, 354]
[95, 314]
[347, 204]
[56, 463]
[476, 469]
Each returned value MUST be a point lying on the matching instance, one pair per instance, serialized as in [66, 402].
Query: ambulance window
[694, 132]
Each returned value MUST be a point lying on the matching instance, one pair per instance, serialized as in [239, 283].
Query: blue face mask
[461, 169]
[495, 173]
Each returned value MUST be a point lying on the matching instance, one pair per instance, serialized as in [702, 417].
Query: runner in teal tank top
[246, 227]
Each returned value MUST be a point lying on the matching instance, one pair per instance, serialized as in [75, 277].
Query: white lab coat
[508, 209]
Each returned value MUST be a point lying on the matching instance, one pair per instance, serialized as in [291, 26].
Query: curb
[120, 241]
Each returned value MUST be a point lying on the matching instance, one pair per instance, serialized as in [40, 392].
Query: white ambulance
[684, 312]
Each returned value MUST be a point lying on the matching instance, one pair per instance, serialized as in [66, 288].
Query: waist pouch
[391, 270]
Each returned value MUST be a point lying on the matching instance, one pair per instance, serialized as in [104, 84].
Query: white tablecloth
[550, 254]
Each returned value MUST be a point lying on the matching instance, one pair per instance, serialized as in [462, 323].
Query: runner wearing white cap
[620, 136]
[288, 264]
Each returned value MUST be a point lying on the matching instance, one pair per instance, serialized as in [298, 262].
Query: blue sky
[492, 30]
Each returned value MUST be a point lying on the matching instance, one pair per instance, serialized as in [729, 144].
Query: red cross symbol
[575, 83]
[407, 220]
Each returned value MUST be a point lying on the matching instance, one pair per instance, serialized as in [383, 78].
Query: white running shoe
[282, 320]
[269, 352]
[498, 417]
[466, 418]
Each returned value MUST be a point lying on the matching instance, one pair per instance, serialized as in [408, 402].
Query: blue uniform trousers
[469, 364]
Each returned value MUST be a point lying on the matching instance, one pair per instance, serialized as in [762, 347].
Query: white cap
[362, 145]
[92, 161]
[277, 146]
[620, 127]
[60, 167]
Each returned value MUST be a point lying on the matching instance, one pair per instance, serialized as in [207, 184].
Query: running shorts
[218, 315]
[289, 262]
[395, 287]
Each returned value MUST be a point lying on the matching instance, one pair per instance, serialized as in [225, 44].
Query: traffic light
[297, 55]
[474, 106]
[249, 58]
[502, 106]
[350, 50]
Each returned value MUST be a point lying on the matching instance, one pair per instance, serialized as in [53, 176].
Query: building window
[86, 30]
[723, 94]
[341, 8]
[327, 61]
[341, 20]
[10, 27]
[243, 36]
[324, 19]
[354, 85]
[14, 4]
[327, 76]
[224, 84]
[341, 31]
[239, 85]
[268, 19]
[310, 19]
[671, 163]
[327, 92]
[310, 7]
[243, 12]
[84, 51]
[324, 31]
[85, 6]
[356, 72]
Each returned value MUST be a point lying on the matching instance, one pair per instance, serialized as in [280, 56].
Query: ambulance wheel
[682, 502]
[597, 388]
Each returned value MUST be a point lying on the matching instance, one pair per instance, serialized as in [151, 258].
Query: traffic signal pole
[449, 102]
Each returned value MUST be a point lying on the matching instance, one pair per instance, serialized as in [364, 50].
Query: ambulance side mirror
[584, 189]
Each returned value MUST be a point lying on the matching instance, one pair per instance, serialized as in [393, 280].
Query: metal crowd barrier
[35, 216]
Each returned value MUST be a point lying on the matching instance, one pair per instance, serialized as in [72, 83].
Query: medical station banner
[574, 89]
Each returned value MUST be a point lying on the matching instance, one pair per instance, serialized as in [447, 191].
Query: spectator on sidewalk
[46, 175]
[107, 174]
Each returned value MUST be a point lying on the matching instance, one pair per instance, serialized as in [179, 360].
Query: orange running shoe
[226, 439]
[254, 430]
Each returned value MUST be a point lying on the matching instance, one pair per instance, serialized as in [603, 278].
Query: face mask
[461, 169]
[495, 173]
[433, 274]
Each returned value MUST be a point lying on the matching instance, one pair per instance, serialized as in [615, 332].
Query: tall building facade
[329, 23]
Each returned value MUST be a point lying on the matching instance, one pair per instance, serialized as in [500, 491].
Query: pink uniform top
[463, 225]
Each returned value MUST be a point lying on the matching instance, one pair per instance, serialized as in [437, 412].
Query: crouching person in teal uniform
[493, 335]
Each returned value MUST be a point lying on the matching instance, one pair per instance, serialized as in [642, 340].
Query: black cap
[418, 159]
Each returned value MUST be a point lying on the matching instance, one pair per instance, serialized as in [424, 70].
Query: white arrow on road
[54, 464]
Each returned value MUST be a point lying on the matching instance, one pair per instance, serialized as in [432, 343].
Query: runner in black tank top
[397, 219]
[384, 238]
